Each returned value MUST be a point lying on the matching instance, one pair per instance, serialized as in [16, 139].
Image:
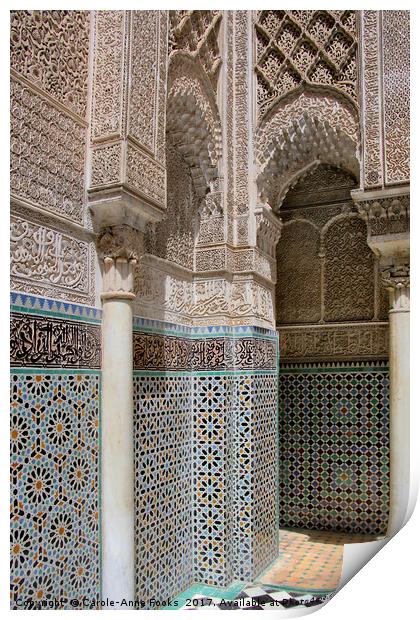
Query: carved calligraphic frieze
[55, 343]
[46, 259]
[362, 341]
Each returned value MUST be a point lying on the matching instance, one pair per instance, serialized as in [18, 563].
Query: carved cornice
[385, 215]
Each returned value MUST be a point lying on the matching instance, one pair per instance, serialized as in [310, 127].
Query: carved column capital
[120, 248]
[395, 276]
[120, 242]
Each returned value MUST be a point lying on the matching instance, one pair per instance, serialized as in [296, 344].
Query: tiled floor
[309, 559]
[307, 572]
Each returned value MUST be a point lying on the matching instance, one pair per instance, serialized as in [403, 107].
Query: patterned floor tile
[309, 559]
[307, 573]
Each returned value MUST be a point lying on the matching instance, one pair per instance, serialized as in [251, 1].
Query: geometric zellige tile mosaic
[162, 451]
[54, 542]
[334, 448]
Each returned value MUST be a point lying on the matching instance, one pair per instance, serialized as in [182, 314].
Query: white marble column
[117, 455]
[396, 278]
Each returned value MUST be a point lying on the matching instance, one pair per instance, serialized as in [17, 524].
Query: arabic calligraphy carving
[54, 343]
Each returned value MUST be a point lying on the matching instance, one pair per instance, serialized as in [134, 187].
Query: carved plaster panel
[106, 164]
[47, 154]
[173, 238]
[111, 36]
[385, 69]
[144, 78]
[49, 260]
[161, 295]
[242, 103]
[320, 185]
[349, 275]
[298, 290]
[148, 77]
[167, 293]
[336, 277]
[211, 225]
[146, 175]
[51, 50]
[211, 259]
[396, 93]
[362, 341]
[372, 172]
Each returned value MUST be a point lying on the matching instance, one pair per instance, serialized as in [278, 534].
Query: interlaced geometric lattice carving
[305, 47]
[196, 33]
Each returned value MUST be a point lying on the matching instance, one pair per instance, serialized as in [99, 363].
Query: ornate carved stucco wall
[89, 150]
[55, 333]
[333, 388]
[216, 376]
[385, 96]
[202, 130]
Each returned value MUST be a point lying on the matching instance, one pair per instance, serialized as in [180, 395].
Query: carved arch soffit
[193, 121]
[301, 133]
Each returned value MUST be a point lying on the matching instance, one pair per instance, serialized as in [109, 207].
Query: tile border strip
[43, 306]
[319, 367]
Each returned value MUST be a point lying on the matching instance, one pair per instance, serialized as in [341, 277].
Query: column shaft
[399, 368]
[118, 566]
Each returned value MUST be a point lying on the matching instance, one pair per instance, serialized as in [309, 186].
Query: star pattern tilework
[162, 444]
[54, 486]
[334, 447]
